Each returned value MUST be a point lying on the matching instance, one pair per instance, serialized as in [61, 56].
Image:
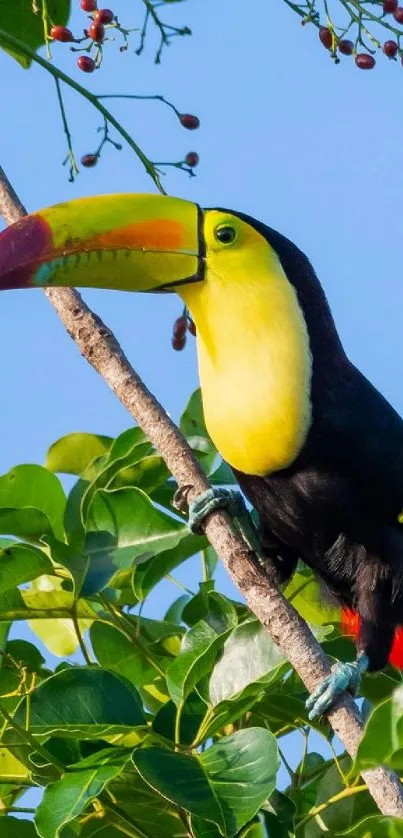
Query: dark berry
[86, 63]
[192, 327]
[325, 36]
[97, 32]
[88, 5]
[104, 16]
[60, 33]
[389, 6]
[178, 343]
[89, 160]
[346, 47]
[180, 327]
[390, 48]
[398, 14]
[189, 121]
[365, 61]
[192, 159]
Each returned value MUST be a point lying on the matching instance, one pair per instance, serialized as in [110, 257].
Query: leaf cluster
[173, 726]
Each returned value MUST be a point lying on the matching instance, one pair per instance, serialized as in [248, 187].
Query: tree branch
[288, 630]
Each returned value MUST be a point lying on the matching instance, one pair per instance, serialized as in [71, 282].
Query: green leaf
[83, 702]
[138, 527]
[193, 427]
[59, 635]
[126, 451]
[223, 476]
[19, 19]
[249, 658]
[68, 797]
[149, 573]
[11, 770]
[114, 651]
[304, 592]
[382, 740]
[38, 495]
[149, 474]
[199, 649]
[17, 828]
[21, 563]
[227, 783]
[191, 717]
[203, 829]
[376, 826]
[174, 613]
[212, 607]
[73, 453]
[149, 813]
[339, 815]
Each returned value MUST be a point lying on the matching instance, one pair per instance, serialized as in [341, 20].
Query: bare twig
[101, 349]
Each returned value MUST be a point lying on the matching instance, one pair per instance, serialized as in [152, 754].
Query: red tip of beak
[22, 249]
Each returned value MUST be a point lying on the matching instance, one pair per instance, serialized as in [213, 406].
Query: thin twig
[288, 630]
[74, 170]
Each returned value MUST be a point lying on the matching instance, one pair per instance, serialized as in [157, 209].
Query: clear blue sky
[312, 149]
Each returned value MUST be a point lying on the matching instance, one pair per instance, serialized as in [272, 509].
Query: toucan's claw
[235, 505]
[211, 500]
[345, 677]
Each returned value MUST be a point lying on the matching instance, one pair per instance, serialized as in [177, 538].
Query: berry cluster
[181, 326]
[362, 22]
[94, 35]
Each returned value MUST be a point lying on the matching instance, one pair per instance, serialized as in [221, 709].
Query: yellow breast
[254, 365]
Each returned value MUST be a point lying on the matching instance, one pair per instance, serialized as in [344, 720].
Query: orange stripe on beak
[159, 235]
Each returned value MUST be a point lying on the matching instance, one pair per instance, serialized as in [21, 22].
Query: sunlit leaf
[226, 784]
[83, 702]
[20, 19]
[68, 797]
[73, 453]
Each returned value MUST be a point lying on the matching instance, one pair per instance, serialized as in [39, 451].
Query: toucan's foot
[234, 504]
[345, 677]
[211, 500]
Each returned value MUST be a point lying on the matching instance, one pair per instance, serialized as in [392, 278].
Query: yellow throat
[253, 351]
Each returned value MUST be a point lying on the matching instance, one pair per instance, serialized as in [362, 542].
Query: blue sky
[313, 149]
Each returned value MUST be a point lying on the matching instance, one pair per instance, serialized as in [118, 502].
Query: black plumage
[337, 506]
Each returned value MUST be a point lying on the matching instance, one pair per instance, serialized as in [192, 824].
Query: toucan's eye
[225, 234]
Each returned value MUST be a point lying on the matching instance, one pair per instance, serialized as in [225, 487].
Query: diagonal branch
[101, 349]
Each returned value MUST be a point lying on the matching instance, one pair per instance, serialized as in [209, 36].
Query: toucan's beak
[125, 242]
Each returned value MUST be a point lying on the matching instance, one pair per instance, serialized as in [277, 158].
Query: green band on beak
[124, 242]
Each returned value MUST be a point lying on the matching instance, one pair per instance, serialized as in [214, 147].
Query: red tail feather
[350, 624]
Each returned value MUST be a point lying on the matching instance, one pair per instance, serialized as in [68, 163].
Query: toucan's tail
[350, 624]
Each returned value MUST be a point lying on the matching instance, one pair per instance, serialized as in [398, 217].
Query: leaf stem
[74, 170]
[11, 41]
[341, 795]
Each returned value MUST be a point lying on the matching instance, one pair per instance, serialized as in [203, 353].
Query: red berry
[88, 5]
[189, 121]
[390, 48]
[86, 63]
[178, 343]
[365, 61]
[97, 32]
[398, 14]
[180, 327]
[89, 160]
[192, 327]
[389, 6]
[346, 47]
[104, 16]
[325, 36]
[60, 33]
[192, 159]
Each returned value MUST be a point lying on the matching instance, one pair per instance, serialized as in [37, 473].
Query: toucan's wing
[362, 439]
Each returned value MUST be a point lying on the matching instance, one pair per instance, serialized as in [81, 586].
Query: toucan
[315, 448]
